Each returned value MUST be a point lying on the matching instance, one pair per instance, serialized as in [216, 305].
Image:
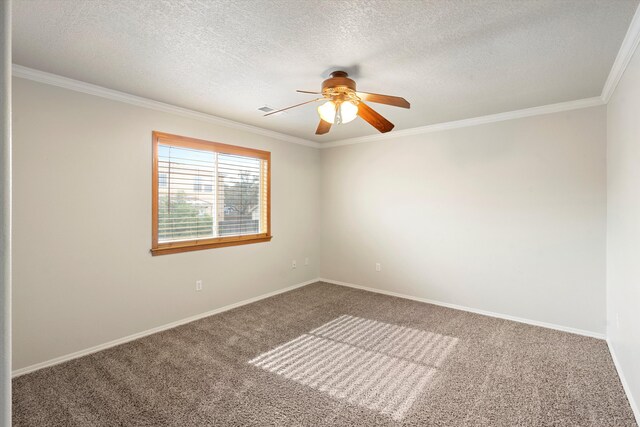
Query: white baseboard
[473, 310]
[625, 385]
[138, 335]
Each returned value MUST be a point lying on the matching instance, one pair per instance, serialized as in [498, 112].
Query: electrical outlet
[293, 264]
[198, 285]
[378, 266]
[306, 261]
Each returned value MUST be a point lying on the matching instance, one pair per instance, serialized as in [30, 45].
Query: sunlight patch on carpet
[377, 365]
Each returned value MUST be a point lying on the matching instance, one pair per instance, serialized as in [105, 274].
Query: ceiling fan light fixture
[348, 112]
[342, 104]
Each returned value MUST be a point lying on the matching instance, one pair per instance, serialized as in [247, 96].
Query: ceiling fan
[344, 104]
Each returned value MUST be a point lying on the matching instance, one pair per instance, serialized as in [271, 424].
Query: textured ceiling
[451, 59]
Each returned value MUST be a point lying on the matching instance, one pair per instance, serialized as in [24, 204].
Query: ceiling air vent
[265, 109]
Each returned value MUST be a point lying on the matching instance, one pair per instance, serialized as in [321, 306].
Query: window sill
[173, 248]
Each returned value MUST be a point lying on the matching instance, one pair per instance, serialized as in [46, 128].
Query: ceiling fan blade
[374, 118]
[308, 91]
[396, 101]
[293, 106]
[323, 127]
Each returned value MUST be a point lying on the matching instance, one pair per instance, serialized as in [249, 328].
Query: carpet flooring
[326, 355]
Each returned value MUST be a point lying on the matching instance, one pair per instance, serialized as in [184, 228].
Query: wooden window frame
[157, 248]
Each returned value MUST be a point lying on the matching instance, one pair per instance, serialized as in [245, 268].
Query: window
[207, 194]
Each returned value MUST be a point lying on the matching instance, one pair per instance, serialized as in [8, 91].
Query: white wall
[507, 217]
[623, 226]
[83, 274]
[5, 213]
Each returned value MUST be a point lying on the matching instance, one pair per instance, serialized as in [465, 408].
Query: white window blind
[204, 194]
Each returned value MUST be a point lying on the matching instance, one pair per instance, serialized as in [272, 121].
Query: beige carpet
[329, 355]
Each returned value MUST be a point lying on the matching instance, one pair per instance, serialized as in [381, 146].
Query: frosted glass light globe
[327, 111]
[348, 112]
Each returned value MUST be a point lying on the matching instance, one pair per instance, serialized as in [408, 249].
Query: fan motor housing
[339, 79]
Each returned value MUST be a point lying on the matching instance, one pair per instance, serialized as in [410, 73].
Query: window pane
[185, 208]
[238, 195]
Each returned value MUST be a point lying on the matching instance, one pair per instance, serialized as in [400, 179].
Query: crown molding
[627, 49]
[91, 89]
[527, 112]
